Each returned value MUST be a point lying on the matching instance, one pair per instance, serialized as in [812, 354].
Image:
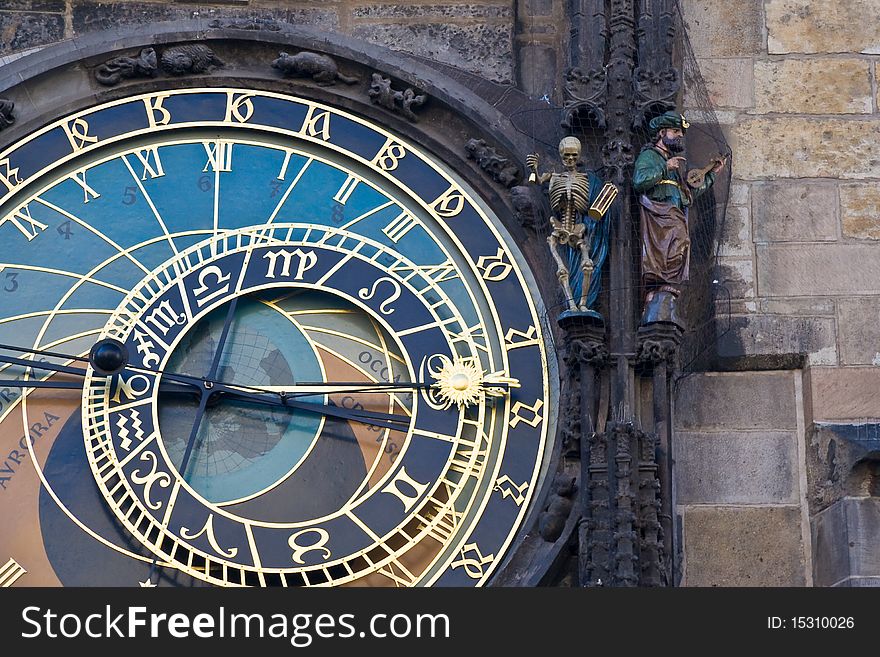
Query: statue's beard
[674, 144]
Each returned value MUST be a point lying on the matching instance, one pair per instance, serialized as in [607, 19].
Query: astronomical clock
[252, 336]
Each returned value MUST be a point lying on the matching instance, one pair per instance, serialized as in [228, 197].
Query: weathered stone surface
[481, 48]
[811, 27]
[830, 547]
[482, 10]
[736, 234]
[736, 468]
[791, 270]
[25, 30]
[33, 5]
[778, 334]
[788, 147]
[724, 29]
[729, 82]
[845, 541]
[739, 194]
[90, 15]
[794, 211]
[860, 210]
[859, 331]
[736, 400]
[743, 546]
[737, 276]
[814, 86]
[845, 393]
[815, 306]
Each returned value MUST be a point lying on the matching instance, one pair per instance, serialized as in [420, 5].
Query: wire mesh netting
[703, 304]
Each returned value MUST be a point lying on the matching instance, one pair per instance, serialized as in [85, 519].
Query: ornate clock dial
[325, 363]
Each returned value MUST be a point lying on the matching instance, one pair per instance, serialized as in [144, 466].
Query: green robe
[663, 203]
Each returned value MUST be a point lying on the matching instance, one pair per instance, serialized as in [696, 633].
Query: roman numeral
[219, 156]
[80, 179]
[10, 572]
[22, 216]
[346, 190]
[149, 157]
[400, 226]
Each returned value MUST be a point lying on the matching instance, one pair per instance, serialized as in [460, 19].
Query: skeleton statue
[579, 202]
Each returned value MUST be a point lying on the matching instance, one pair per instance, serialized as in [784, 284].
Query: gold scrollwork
[474, 564]
[208, 531]
[151, 478]
[300, 550]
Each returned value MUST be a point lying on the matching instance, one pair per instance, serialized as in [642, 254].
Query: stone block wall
[474, 35]
[740, 479]
[795, 86]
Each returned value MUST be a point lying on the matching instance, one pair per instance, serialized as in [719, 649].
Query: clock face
[321, 362]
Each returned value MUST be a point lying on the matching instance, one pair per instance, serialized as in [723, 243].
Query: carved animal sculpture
[115, 70]
[321, 68]
[191, 58]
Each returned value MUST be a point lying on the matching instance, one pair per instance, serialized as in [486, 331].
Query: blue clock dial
[335, 371]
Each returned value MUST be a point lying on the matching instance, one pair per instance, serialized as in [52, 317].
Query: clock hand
[204, 398]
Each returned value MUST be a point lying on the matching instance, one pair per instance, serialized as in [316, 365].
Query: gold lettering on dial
[130, 387]
[389, 156]
[473, 561]
[151, 478]
[149, 157]
[77, 132]
[493, 267]
[306, 260]
[506, 486]
[534, 409]
[319, 544]
[164, 317]
[346, 190]
[384, 308]
[204, 275]
[10, 572]
[208, 531]
[528, 338]
[145, 347]
[22, 216]
[316, 124]
[122, 425]
[79, 177]
[408, 499]
[400, 226]
[239, 107]
[449, 204]
[156, 114]
[8, 175]
[219, 156]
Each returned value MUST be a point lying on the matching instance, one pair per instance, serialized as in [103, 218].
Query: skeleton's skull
[570, 152]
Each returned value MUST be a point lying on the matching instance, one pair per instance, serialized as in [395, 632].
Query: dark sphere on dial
[108, 356]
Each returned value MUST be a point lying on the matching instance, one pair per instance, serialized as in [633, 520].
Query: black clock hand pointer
[205, 391]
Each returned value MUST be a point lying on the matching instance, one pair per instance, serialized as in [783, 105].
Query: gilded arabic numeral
[10, 572]
[306, 260]
[384, 307]
[493, 267]
[22, 216]
[123, 431]
[204, 275]
[345, 191]
[77, 132]
[316, 124]
[239, 107]
[9, 175]
[219, 156]
[149, 158]
[389, 156]
[156, 114]
[208, 531]
[319, 544]
[150, 479]
[410, 493]
[506, 486]
[473, 561]
[527, 338]
[534, 409]
[400, 226]
[449, 204]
